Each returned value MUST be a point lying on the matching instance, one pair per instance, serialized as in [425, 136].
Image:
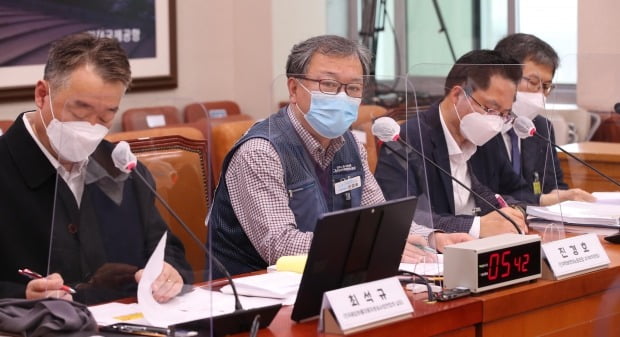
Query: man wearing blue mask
[299, 163]
[478, 96]
[66, 211]
[532, 158]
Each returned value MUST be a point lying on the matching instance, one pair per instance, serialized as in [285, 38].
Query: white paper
[197, 304]
[110, 313]
[153, 121]
[607, 197]
[425, 269]
[279, 284]
[154, 311]
[579, 212]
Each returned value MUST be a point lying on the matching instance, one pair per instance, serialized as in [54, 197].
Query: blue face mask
[331, 115]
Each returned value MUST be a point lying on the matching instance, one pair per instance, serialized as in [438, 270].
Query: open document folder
[605, 212]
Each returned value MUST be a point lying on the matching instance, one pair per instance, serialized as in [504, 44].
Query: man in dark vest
[300, 163]
[66, 211]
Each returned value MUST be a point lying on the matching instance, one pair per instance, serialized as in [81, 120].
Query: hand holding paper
[167, 285]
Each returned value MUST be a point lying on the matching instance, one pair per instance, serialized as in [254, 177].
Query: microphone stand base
[228, 324]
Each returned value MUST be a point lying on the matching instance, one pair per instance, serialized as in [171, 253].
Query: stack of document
[279, 285]
[604, 212]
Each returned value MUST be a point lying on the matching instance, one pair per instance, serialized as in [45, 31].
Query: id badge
[347, 185]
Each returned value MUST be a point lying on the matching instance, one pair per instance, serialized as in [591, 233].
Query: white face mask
[529, 104]
[73, 141]
[479, 128]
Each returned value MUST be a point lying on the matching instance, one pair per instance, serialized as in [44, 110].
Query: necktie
[514, 152]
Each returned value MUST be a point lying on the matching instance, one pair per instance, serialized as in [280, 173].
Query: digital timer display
[492, 262]
[507, 264]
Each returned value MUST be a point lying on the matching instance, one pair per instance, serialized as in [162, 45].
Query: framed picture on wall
[145, 28]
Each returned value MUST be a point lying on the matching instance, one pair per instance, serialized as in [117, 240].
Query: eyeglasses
[535, 84]
[507, 116]
[332, 87]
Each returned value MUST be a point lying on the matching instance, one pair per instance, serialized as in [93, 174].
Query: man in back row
[533, 158]
[282, 175]
[479, 92]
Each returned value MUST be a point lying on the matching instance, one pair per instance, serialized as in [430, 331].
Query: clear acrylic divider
[444, 203]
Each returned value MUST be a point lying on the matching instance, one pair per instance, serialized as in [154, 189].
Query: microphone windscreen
[123, 158]
[386, 129]
[524, 127]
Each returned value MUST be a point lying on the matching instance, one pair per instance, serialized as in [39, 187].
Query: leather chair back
[180, 167]
[215, 110]
[224, 136]
[150, 117]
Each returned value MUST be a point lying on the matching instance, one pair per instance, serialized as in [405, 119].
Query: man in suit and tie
[533, 158]
[479, 92]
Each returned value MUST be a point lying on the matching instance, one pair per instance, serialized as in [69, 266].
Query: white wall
[293, 22]
[227, 50]
[598, 74]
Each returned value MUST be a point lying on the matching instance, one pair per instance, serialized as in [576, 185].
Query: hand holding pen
[41, 286]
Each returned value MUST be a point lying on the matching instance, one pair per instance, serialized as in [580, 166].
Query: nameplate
[573, 256]
[217, 113]
[364, 306]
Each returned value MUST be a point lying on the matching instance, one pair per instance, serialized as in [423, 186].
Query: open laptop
[353, 246]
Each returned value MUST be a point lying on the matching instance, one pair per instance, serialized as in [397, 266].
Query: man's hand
[167, 285]
[556, 196]
[414, 252]
[493, 223]
[440, 240]
[47, 287]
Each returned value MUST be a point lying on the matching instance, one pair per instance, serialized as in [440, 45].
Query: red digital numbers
[502, 260]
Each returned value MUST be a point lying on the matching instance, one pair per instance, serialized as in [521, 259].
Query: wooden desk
[584, 305]
[604, 156]
[454, 319]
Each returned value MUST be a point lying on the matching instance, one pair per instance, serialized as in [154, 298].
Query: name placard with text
[364, 306]
[573, 256]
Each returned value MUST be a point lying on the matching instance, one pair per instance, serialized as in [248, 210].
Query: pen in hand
[34, 276]
[425, 248]
[501, 201]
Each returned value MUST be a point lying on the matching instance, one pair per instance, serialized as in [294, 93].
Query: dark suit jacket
[537, 155]
[38, 211]
[397, 179]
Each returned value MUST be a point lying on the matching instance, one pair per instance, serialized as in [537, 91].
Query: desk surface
[594, 150]
[603, 156]
[583, 305]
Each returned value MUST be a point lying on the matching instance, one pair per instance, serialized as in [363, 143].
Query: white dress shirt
[464, 203]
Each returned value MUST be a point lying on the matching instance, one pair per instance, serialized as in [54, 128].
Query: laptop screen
[353, 246]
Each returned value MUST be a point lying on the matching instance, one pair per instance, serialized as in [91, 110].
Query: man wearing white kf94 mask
[479, 92]
[299, 163]
[533, 158]
[66, 211]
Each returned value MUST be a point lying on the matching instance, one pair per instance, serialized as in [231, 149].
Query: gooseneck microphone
[126, 161]
[387, 130]
[525, 128]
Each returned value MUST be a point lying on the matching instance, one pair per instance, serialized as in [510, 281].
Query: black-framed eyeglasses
[506, 115]
[535, 84]
[332, 87]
